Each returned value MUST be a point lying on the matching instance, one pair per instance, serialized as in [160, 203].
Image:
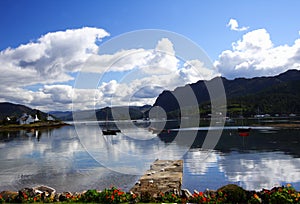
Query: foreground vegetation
[227, 194]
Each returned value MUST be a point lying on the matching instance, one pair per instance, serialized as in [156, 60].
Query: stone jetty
[163, 176]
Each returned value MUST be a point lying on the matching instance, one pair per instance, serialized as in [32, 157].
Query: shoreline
[280, 125]
[39, 125]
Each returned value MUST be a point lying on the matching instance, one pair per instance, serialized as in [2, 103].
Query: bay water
[78, 157]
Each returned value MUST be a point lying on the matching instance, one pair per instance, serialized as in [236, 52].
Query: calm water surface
[81, 158]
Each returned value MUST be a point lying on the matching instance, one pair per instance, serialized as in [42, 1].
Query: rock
[186, 193]
[210, 193]
[56, 197]
[45, 189]
[234, 193]
[146, 197]
[173, 191]
[28, 191]
[65, 196]
[9, 196]
[46, 193]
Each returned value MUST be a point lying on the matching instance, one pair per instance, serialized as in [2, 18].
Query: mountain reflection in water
[58, 158]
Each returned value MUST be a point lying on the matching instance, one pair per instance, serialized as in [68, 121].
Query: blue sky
[271, 29]
[204, 22]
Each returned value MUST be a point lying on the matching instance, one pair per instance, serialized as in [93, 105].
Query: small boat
[110, 132]
[244, 132]
[107, 130]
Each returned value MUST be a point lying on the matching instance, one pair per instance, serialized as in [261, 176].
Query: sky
[71, 54]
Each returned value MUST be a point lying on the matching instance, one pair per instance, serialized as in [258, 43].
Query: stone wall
[163, 176]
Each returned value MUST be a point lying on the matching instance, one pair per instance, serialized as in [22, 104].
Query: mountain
[62, 115]
[14, 111]
[274, 95]
[107, 113]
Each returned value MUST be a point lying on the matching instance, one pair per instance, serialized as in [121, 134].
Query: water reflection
[262, 160]
[58, 158]
[55, 158]
[129, 152]
[260, 170]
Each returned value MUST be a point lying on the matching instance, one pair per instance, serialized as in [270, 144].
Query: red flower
[255, 196]
[200, 193]
[112, 197]
[25, 196]
[34, 199]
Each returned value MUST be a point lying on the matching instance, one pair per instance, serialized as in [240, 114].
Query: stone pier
[163, 176]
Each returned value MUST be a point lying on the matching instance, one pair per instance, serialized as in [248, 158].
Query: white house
[25, 119]
[36, 119]
[50, 118]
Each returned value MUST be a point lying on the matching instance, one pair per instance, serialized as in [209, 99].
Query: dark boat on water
[109, 128]
[110, 132]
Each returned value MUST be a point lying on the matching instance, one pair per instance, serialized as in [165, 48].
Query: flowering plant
[213, 197]
[228, 194]
[277, 195]
[169, 198]
[112, 195]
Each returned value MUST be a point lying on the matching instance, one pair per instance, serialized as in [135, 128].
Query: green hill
[14, 111]
[273, 95]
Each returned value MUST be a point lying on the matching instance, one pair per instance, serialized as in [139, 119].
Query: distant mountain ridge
[121, 112]
[276, 94]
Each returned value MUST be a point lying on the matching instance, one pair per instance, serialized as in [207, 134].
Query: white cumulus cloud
[59, 93]
[40, 73]
[233, 24]
[52, 56]
[194, 70]
[49, 60]
[255, 55]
